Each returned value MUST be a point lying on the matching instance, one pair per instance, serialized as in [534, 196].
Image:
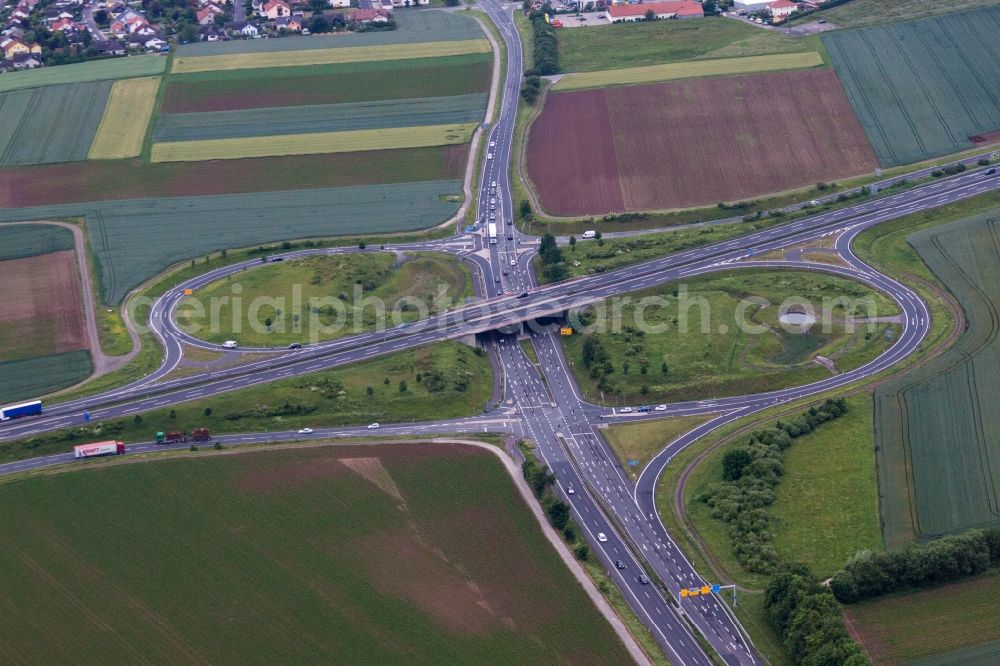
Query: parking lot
[582, 20]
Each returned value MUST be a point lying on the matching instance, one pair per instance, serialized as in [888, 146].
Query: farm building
[681, 9]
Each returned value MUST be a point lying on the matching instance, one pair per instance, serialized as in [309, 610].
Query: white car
[493, 184]
[625, 410]
[660, 408]
[489, 156]
[601, 537]
[571, 491]
[493, 144]
[229, 344]
[305, 431]
[373, 426]
[513, 262]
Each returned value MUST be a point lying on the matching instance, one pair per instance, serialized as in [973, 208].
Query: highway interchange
[541, 403]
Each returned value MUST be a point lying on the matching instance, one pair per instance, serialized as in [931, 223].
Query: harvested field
[938, 429]
[100, 181]
[313, 143]
[905, 627]
[689, 70]
[28, 240]
[329, 56]
[320, 118]
[342, 572]
[32, 377]
[132, 247]
[922, 88]
[126, 118]
[46, 317]
[411, 27]
[673, 145]
[51, 124]
[328, 84]
[97, 70]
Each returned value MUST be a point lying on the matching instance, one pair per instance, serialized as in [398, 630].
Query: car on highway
[660, 408]
[493, 184]
[374, 426]
[570, 490]
[510, 236]
[990, 172]
[229, 344]
[619, 564]
[644, 410]
[489, 156]
[499, 292]
[602, 537]
[295, 345]
[643, 579]
[513, 262]
[305, 431]
[493, 144]
[523, 294]
[625, 410]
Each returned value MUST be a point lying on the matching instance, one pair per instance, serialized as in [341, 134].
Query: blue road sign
[86, 417]
[633, 463]
[716, 588]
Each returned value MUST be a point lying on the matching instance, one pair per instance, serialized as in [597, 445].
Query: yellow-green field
[313, 143]
[186, 65]
[126, 118]
[689, 70]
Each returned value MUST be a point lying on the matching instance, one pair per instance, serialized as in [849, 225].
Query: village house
[782, 9]
[206, 15]
[291, 24]
[15, 47]
[370, 16]
[679, 9]
[275, 9]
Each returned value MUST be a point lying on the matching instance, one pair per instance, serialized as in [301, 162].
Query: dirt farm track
[692, 143]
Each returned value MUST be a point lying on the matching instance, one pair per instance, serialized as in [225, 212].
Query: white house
[782, 9]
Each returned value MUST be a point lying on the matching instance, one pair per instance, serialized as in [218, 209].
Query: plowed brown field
[693, 143]
[44, 312]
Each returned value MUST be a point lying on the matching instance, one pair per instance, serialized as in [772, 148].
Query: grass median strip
[689, 70]
[184, 65]
[126, 117]
[313, 143]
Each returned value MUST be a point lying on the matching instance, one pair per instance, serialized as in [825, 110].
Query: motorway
[542, 403]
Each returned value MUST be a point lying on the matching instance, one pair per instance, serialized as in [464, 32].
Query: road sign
[86, 417]
[565, 331]
[633, 463]
[716, 588]
[188, 292]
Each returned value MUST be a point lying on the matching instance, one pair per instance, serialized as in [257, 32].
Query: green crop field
[51, 124]
[423, 284]
[411, 28]
[906, 627]
[28, 240]
[97, 70]
[861, 13]
[32, 377]
[423, 554]
[328, 84]
[922, 88]
[715, 341]
[134, 240]
[625, 45]
[320, 118]
[938, 428]
[826, 505]
[983, 654]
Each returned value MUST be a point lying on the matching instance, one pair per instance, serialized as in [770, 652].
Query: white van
[229, 344]
[589, 234]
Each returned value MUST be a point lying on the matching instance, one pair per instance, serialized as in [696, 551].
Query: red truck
[201, 435]
[109, 448]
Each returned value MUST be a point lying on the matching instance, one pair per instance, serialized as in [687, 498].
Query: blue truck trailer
[33, 408]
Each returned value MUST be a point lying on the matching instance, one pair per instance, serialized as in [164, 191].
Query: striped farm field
[923, 88]
[313, 143]
[32, 377]
[689, 70]
[126, 119]
[320, 118]
[186, 64]
[28, 240]
[328, 84]
[96, 70]
[51, 124]
[938, 427]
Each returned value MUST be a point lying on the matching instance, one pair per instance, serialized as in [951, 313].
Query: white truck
[589, 234]
[493, 233]
[109, 448]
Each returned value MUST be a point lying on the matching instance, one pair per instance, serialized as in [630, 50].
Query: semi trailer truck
[33, 408]
[109, 448]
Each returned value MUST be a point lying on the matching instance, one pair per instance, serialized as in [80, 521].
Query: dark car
[273, 259]
[643, 579]
[990, 172]
[523, 295]
[295, 345]
[619, 564]
[496, 279]
[510, 236]
[643, 410]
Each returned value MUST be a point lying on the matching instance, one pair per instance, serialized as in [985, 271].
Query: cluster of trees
[553, 266]
[947, 559]
[750, 473]
[544, 44]
[263, 411]
[808, 618]
[530, 87]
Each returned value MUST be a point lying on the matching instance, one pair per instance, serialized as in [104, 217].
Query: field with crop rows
[313, 143]
[126, 119]
[411, 28]
[329, 56]
[424, 554]
[906, 627]
[689, 70]
[51, 124]
[938, 428]
[860, 13]
[327, 84]
[31, 377]
[96, 70]
[675, 145]
[28, 240]
[135, 239]
[923, 88]
[79, 182]
[318, 118]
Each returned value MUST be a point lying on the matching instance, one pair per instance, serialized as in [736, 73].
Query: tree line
[750, 472]
[914, 566]
[544, 44]
[541, 480]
